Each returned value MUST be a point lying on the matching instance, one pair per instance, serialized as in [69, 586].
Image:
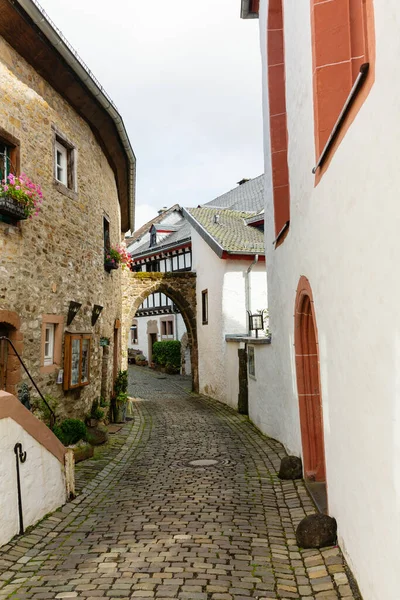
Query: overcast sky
[185, 76]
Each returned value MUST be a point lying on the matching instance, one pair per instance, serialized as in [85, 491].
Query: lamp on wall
[256, 322]
[96, 313]
[73, 311]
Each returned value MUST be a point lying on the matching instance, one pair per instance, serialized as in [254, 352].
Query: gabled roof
[176, 238]
[139, 233]
[226, 230]
[223, 222]
[246, 197]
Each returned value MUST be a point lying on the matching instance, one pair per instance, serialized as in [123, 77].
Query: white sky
[185, 76]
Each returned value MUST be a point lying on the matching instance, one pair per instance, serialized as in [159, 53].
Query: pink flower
[6, 188]
[17, 187]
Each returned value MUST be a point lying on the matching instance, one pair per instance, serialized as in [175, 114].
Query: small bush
[167, 354]
[96, 412]
[121, 383]
[70, 431]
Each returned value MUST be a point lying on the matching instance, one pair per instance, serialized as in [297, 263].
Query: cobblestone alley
[151, 523]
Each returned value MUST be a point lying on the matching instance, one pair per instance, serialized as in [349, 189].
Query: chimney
[163, 210]
[216, 219]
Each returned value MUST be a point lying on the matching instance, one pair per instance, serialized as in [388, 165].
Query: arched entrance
[180, 288]
[308, 384]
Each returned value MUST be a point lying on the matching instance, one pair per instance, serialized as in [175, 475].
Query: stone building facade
[57, 257]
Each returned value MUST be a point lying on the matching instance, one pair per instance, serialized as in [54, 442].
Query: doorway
[309, 391]
[152, 340]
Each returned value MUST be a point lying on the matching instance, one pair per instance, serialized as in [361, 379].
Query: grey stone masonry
[152, 525]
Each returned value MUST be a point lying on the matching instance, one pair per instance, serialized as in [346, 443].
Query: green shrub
[70, 431]
[121, 383]
[167, 354]
[96, 412]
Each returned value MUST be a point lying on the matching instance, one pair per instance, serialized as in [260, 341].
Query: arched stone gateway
[180, 287]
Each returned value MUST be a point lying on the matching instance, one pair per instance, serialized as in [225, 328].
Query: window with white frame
[49, 344]
[61, 163]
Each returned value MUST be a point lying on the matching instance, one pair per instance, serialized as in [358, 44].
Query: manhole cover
[205, 462]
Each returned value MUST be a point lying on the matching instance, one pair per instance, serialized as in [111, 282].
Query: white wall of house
[143, 336]
[43, 486]
[344, 238]
[225, 281]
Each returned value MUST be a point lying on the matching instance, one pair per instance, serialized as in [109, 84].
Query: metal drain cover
[204, 462]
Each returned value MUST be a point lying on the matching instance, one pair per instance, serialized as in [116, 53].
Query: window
[106, 234]
[251, 361]
[49, 344]
[167, 328]
[204, 307]
[61, 173]
[76, 360]
[134, 333]
[52, 330]
[64, 163]
[6, 166]
[153, 237]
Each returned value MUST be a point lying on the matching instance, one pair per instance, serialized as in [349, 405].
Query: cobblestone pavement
[152, 525]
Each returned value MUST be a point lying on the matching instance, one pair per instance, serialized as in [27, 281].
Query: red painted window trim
[278, 118]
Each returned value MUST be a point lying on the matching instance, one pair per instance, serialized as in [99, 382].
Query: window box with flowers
[20, 198]
[114, 257]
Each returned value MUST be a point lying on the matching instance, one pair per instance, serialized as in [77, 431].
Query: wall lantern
[96, 313]
[73, 311]
[256, 322]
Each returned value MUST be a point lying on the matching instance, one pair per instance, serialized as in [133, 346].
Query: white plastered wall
[43, 487]
[225, 281]
[344, 238]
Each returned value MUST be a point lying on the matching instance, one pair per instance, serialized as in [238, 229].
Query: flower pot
[110, 266]
[12, 208]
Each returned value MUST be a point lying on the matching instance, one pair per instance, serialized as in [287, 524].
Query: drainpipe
[248, 289]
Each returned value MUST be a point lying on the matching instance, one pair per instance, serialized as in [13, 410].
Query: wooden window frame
[69, 338]
[58, 322]
[204, 307]
[13, 143]
[134, 330]
[69, 186]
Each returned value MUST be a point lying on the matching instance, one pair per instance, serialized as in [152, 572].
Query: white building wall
[225, 281]
[43, 487]
[142, 322]
[344, 238]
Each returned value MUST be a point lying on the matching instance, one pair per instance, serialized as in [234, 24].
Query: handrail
[52, 413]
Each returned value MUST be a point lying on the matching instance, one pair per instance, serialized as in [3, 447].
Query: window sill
[46, 369]
[66, 191]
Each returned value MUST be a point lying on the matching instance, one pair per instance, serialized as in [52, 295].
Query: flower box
[12, 208]
[109, 265]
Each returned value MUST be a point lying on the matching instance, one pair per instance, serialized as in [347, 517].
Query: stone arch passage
[180, 287]
[308, 384]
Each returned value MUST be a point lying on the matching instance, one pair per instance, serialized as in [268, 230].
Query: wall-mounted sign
[96, 313]
[73, 311]
[60, 376]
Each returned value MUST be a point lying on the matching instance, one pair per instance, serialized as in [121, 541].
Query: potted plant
[140, 360]
[115, 257]
[20, 198]
[120, 398]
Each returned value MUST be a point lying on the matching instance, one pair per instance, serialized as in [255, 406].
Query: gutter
[58, 41]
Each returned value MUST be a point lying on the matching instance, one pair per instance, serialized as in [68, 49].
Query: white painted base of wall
[42, 476]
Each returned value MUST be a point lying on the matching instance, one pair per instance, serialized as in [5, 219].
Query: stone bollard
[291, 468]
[316, 531]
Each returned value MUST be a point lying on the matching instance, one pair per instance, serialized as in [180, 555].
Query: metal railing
[51, 411]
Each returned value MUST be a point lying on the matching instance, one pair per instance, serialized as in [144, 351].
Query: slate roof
[174, 239]
[246, 197]
[230, 234]
[145, 228]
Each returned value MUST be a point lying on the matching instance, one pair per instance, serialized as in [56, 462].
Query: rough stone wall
[180, 287]
[57, 257]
